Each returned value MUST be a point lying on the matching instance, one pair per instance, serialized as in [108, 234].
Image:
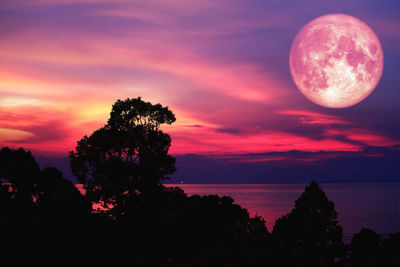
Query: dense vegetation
[127, 217]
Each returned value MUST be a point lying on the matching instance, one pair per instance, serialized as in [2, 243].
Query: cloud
[42, 129]
[20, 101]
[219, 65]
[209, 140]
[310, 118]
[12, 135]
[362, 136]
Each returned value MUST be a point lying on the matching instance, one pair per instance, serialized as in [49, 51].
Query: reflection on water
[371, 205]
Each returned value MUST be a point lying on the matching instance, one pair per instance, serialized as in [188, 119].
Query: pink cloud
[58, 84]
[310, 118]
[209, 141]
[43, 130]
[363, 136]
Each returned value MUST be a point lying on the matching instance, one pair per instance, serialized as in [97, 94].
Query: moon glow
[336, 61]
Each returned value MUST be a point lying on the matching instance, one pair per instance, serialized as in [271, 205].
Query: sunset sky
[221, 66]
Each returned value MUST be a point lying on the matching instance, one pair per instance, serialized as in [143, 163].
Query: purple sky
[221, 66]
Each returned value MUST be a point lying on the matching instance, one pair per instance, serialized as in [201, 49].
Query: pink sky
[222, 67]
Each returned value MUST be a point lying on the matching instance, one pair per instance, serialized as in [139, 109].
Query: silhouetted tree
[59, 197]
[34, 192]
[122, 166]
[39, 211]
[365, 249]
[309, 235]
[127, 157]
[391, 250]
[211, 231]
[19, 173]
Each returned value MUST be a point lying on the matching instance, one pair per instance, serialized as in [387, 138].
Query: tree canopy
[127, 157]
[30, 192]
[310, 232]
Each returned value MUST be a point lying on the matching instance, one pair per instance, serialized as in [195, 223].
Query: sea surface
[359, 205]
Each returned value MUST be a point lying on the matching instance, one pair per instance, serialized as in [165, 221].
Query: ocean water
[359, 205]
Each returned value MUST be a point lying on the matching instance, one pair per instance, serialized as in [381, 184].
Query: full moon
[336, 60]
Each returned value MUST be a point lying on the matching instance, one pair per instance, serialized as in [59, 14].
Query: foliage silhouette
[127, 157]
[310, 235]
[391, 250]
[38, 209]
[33, 192]
[19, 170]
[46, 221]
[59, 196]
[365, 249]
